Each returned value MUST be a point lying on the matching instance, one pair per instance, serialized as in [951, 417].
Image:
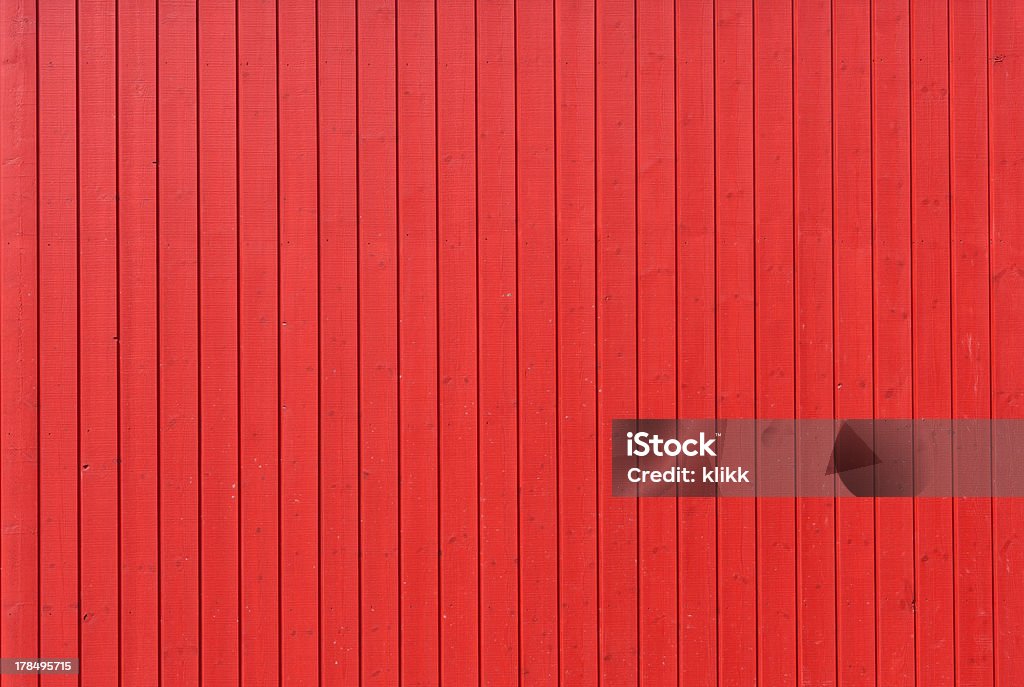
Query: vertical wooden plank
[853, 303]
[972, 388]
[178, 352]
[418, 345]
[339, 347]
[299, 307]
[498, 343]
[218, 346]
[930, 270]
[457, 324]
[259, 327]
[138, 316]
[695, 208]
[577, 390]
[59, 572]
[1006, 169]
[894, 517]
[774, 334]
[97, 391]
[538, 358]
[618, 595]
[734, 278]
[19, 349]
[378, 313]
[656, 326]
[816, 612]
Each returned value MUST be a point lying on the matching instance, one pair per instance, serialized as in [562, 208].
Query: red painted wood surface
[314, 317]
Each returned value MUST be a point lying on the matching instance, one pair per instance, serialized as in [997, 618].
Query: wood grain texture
[775, 333]
[339, 345]
[577, 362]
[695, 346]
[418, 348]
[141, 350]
[656, 327]
[378, 347]
[1006, 246]
[59, 571]
[98, 498]
[178, 342]
[315, 316]
[218, 254]
[258, 318]
[498, 340]
[852, 307]
[615, 179]
[891, 323]
[458, 356]
[19, 327]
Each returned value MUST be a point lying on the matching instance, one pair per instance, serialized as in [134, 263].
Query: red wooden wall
[315, 316]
